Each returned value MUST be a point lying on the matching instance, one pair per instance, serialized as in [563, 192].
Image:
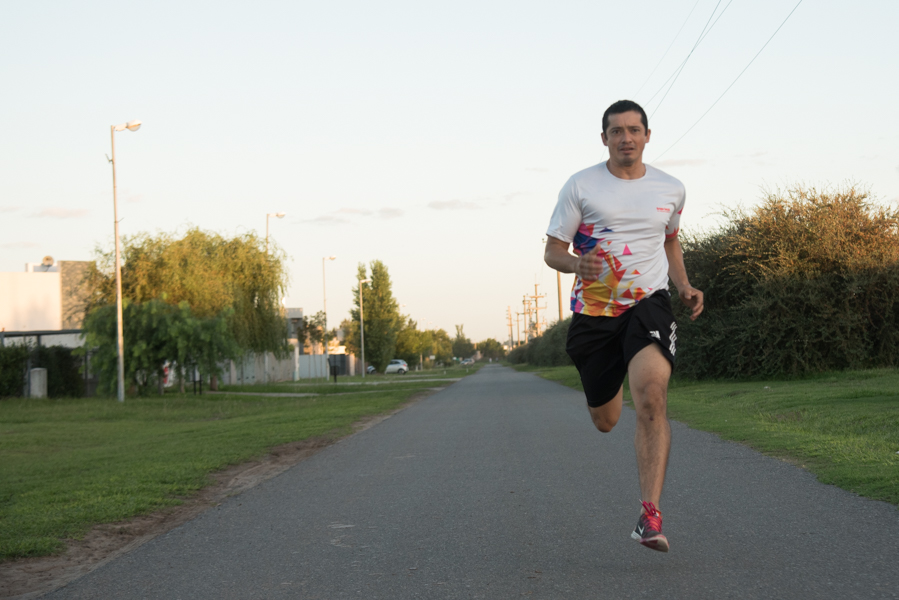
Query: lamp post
[325, 292]
[280, 216]
[362, 325]
[120, 335]
[325, 306]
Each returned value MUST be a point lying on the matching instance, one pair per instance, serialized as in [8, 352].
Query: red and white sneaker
[649, 529]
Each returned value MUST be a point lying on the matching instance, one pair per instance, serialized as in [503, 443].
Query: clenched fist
[589, 265]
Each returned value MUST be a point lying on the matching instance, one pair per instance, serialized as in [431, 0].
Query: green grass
[70, 464]
[843, 427]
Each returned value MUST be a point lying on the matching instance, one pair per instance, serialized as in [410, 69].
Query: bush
[13, 361]
[806, 282]
[547, 350]
[64, 379]
[63, 376]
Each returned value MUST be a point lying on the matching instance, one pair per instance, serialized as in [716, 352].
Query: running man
[622, 218]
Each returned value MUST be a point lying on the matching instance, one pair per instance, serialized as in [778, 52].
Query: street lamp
[325, 292]
[325, 306]
[280, 216]
[362, 325]
[120, 335]
[265, 356]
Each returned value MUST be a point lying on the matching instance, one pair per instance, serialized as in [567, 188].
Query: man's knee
[651, 401]
[604, 423]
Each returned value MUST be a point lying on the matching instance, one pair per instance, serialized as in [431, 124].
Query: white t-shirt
[629, 219]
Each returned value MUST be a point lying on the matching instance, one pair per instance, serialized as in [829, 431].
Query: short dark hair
[623, 106]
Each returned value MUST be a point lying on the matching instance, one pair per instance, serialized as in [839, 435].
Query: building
[48, 296]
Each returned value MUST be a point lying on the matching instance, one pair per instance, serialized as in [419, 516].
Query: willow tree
[213, 274]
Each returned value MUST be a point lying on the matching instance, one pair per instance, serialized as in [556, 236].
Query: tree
[490, 348]
[410, 343]
[315, 330]
[209, 272]
[381, 313]
[157, 333]
[462, 346]
[437, 343]
[350, 335]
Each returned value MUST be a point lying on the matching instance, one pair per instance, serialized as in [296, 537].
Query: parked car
[467, 361]
[370, 369]
[397, 366]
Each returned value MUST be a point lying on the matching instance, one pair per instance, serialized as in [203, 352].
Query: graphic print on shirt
[600, 297]
[627, 222]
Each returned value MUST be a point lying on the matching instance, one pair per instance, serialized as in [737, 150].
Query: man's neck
[634, 171]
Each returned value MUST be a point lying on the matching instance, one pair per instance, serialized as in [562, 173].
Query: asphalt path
[499, 487]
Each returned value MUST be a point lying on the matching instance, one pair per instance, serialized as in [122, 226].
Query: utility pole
[537, 307]
[527, 317]
[518, 326]
[509, 319]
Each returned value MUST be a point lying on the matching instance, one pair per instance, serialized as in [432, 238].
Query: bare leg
[606, 416]
[648, 373]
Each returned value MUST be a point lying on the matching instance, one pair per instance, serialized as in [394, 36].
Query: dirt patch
[33, 577]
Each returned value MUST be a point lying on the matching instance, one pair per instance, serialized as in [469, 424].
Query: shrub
[806, 282]
[63, 376]
[13, 361]
[547, 350]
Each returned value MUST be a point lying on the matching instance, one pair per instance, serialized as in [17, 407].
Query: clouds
[346, 215]
[51, 212]
[58, 212]
[453, 205]
[389, 213]
[325, 220]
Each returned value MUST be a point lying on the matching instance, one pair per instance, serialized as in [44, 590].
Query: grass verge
[70, 464]
[843, 427]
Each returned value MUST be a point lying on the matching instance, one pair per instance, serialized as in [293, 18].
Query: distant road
[499, 487]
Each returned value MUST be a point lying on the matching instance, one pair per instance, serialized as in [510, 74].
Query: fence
[265, 368]
[67, 375]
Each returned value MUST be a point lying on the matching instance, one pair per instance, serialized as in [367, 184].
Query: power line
[667, 49]
[684, 64]
[681, 66]
[731, 84]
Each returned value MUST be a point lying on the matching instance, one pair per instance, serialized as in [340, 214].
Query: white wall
[30, 301]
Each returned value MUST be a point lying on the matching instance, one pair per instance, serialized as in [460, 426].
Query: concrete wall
[30, 301]
[256, 369]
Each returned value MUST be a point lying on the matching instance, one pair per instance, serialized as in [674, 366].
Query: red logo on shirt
[663, 209]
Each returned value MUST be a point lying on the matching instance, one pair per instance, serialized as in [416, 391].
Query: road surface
[499, 487]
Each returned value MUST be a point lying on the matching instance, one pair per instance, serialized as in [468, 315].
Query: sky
[432, 137]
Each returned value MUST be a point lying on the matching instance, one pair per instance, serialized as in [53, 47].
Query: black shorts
[602, 347]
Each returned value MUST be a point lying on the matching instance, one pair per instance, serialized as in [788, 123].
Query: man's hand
[589, 265]
[693, 299]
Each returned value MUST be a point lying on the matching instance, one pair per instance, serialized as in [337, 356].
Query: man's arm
[678, 274]
[587, 267]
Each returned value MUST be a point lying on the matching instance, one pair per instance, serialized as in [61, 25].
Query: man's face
[625, 137]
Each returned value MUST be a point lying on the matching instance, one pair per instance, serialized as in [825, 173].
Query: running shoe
[649, 529]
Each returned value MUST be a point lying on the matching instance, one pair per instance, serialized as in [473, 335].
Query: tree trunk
[214, 383]
[160, 378]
